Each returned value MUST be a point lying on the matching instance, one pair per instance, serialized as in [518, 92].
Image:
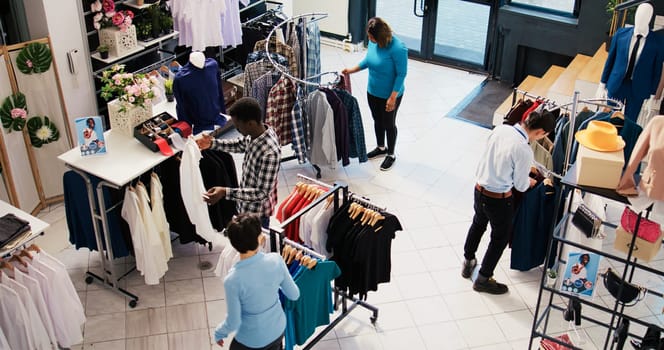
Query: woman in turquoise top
[252, 290]
[387, 60]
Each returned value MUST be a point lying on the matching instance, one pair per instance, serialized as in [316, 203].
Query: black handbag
[631, 293]
[587, 221]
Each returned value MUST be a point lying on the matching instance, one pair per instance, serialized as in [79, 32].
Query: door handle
[423, 8]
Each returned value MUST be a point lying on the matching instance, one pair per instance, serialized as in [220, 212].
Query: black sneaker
[388, 162]
[489, 286]
[468, 267]
[376, 152]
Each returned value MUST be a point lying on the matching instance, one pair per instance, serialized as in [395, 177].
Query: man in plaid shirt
[258, 189]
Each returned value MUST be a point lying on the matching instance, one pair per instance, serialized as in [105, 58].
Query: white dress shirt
[318, 238]
[192, 189]
[506, 160]
[36, 328]
[159, 215]
[3, 340]
[156, 263]
[76, 308]
[14, 319]
[323, 150]
[40, 303]
[65, 308]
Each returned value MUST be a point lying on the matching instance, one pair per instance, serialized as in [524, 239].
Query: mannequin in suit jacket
[643, 82]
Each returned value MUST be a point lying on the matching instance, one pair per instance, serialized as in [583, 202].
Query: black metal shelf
[558, 234]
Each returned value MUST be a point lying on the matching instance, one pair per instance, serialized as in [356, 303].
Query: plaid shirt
[258, 188]
[300, 128]
[282, 49]
[253, 71]
[280, 102]
[313, 54]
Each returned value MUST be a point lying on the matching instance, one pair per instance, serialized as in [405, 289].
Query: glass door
[455, 32]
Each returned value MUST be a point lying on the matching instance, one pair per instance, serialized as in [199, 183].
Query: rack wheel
[373, 320]
[132, 303]
[88, 280]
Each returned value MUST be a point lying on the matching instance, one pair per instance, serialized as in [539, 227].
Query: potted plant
[551, 276]
[166, 23]
[103, 51]
[130, 97]
[618, 19]
[168, 89]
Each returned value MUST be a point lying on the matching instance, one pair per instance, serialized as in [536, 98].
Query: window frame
[546, 10]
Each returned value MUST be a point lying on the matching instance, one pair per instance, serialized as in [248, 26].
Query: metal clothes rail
[277, 233]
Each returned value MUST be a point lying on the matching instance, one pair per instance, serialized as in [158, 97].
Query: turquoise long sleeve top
[252, 300]
[387, 68]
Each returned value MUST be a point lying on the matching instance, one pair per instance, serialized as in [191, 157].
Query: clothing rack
[339, 295]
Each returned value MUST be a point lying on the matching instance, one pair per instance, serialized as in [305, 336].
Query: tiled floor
[427, 305]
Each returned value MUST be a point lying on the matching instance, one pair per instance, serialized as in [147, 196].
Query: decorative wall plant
[34, 58]
[13, 112]
[42, 131]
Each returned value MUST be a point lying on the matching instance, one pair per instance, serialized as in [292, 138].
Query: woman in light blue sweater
[387, 60]
[252, 290]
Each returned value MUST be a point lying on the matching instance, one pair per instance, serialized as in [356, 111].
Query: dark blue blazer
[647, 70]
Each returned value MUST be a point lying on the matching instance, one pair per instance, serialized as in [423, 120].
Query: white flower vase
[118, 42]
[125, 116]
[550, 281]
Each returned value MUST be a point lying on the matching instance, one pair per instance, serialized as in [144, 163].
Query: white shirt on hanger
[192, 189]
[318, 237]
[38, 298]
[36, 328]
[156, 263]
[76, 307]
[159, 215]
[14, 319]
[323, 150]
[61, 305]
[3, 340]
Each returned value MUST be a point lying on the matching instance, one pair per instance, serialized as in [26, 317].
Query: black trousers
[384, 122]
[500, 214]
[275, 345]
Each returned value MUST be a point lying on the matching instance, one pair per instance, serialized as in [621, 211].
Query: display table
[37, 226]
[125, 159]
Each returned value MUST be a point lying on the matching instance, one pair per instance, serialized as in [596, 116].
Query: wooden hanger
[285, 252]
[25, 253]
[19, 260]
[4, 264]
[34, 248]
[312, 263]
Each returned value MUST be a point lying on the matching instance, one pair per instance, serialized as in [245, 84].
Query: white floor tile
[446, 335]
[481, 331]
[515, 325]
[466, 305]
[361, 342]
[429, 310]
[408, 338]
[416, 285]
[394, 316]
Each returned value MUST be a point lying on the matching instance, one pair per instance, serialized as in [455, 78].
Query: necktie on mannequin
[632, 58]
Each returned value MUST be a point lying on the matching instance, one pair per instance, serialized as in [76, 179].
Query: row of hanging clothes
[208, 23]
[321, 122]
[165, 200]
[357, 235]
[39, 306]
[535, 208]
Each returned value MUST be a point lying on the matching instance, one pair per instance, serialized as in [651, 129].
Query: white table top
[125, 159]
[36, 225]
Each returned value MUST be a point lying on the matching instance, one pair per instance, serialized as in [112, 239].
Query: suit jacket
[647, 70]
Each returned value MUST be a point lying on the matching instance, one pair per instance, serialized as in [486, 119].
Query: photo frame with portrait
[90, 134]
[581, 272]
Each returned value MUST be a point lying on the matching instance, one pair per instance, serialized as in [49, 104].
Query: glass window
[564, 6]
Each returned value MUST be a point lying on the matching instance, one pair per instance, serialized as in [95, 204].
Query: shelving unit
[148, 55]
[545, 301]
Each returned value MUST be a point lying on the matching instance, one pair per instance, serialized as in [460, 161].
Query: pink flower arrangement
[106, 16]
[136, 89]
[18, 113]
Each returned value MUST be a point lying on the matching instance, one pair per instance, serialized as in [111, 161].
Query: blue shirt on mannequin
[197, 95]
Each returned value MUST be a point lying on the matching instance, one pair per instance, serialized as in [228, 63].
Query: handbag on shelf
[648, 229]
[587, 221]
[631, 293]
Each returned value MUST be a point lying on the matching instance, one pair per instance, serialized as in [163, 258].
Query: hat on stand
[600, 136]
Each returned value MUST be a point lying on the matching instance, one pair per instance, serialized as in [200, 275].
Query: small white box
[599, 169]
